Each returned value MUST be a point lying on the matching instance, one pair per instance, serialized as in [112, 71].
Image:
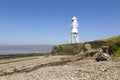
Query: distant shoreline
[25, 49]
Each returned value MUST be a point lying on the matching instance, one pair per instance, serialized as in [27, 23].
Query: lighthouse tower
[74, 30]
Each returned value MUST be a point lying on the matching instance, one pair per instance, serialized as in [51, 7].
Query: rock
[88, 47]
[105, 49]
[90, 53]
[102, 56]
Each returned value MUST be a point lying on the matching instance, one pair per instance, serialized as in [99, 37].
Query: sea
[24, 49]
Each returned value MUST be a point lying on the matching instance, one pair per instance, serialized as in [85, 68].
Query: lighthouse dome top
[74, 18]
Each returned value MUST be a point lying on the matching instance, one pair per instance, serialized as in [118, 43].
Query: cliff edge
[113, 47]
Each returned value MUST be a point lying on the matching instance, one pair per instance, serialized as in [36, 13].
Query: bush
[117, 53]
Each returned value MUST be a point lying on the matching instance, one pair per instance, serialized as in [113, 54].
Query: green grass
[117, 53]
[66, 49]
[114, 42]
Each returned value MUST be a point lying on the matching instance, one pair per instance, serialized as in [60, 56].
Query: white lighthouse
[74, 30]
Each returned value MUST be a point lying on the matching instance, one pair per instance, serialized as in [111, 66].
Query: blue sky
[47, 21]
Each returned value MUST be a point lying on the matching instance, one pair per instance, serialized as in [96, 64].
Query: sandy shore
[58, 68]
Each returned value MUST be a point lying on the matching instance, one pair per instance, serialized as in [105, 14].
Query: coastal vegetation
[113, 44]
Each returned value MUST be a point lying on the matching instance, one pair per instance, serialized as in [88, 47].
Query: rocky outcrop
[77, 48]
[67, 49]
[102, 56]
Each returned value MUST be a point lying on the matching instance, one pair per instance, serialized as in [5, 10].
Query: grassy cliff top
[65, 49]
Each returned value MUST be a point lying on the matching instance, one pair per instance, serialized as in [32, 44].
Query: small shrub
[117, 53]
